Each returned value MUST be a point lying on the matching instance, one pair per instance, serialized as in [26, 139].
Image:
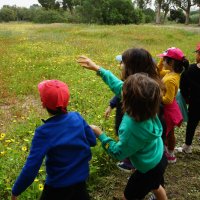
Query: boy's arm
[114, 101]
[32, 165]
[91, 138]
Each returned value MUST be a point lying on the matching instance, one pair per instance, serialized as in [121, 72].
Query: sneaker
[171, 158]
[125, 167]
[152, 197]
[184, 149]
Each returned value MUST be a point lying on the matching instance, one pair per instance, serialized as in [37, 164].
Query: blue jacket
[115, 102]
[65, 140]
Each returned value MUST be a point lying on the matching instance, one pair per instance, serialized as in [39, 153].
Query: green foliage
[23, 14]
[177, 15]
[109, 12]
[194, 19]
[7, 14]
[48, 4]
[50, 16]
[149, 15]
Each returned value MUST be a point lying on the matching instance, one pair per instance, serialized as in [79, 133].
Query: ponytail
[178, 65]
[185, 64]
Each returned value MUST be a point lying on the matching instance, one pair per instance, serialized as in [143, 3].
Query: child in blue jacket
[139, 133]
[124, 165]
[65, 140]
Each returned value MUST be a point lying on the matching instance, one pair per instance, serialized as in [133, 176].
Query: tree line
[104, 11]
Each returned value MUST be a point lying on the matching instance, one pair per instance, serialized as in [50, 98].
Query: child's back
[190, 87]
[68, 139]
[65, 139]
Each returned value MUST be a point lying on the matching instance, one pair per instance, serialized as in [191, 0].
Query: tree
[185, 5]
[109, 12]
[68, 4]
[142, 4]
[48, 4]
[7, 14]
[199, 14]
[158, 4]
[197, 2]
[149, 15]
[166, 8]
[177, 15]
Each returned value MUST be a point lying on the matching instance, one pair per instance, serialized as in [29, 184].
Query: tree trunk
[158, 14]
[187, 13]
[164, 18]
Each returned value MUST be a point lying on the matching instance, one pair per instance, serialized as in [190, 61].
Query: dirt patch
[13, 108]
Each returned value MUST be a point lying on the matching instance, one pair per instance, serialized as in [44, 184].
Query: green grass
[31, 53]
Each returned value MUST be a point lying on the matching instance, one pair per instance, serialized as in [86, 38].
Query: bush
[23, 14]
[138, 16]
[149, 15]
[7, 14]
[110, 12]
[177, 15]
[194, 19]
[50, 16]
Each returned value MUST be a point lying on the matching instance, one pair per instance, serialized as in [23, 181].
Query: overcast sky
[19, 3]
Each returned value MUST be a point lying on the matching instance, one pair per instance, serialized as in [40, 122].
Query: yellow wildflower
[24, 148]
[2, 136]
[41, 187]
[2, 153]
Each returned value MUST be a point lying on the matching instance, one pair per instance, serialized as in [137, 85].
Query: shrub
[177, 15]
[50, 16]
[149, 15]
[7, 14]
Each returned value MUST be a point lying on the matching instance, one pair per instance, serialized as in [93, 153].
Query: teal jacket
[139, 141]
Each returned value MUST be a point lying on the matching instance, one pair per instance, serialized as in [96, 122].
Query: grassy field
[31, 53]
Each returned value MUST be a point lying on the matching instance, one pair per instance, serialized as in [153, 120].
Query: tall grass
[31, 53]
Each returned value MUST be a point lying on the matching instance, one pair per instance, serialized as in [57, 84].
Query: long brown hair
[141, 97]
[139, 60]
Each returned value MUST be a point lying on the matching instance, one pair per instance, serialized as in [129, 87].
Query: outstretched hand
[88, 63]
[96, 130]
[107, 112]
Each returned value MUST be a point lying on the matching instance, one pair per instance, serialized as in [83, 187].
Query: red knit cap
[54, 94]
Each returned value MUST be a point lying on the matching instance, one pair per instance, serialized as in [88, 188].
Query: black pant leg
[74, 192]
[190, 129]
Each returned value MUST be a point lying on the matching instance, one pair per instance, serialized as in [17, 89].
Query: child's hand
[13, 197]
[96, 130]
[88, 63]
[107, 112]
